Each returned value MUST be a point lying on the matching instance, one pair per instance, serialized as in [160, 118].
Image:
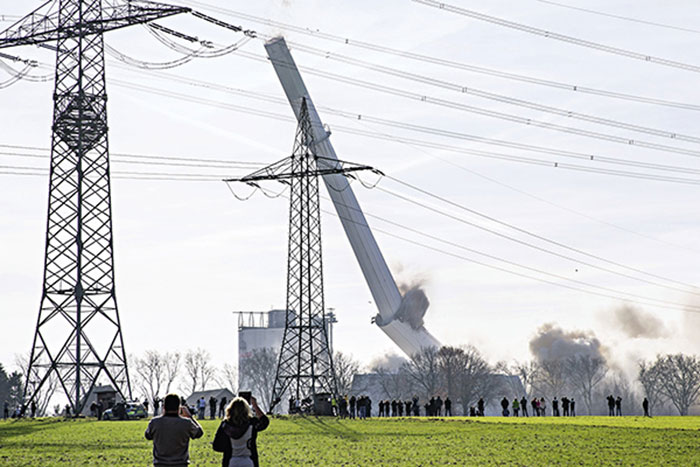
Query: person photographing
[237, 434]
[171, 433]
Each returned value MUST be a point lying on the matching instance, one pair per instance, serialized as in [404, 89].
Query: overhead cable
[621, 17]
[694, 289]
[432, 130]
[499, 98]
[290, 119]
[606, 290]
[560, 37]
[449, 63]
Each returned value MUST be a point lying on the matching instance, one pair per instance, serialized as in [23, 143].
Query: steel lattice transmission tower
[78, 333]
[305, 366]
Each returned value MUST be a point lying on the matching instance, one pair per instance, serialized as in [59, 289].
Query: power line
[624, 18]
[450, 63]
[533, 235]
[606, 292]
[501, 98]
[532, 161]
[636, 298]
[445, 133]
[544, 200]
[215, 163]
[560, 37]
[490, 113]
[411, 127]
[499, 156]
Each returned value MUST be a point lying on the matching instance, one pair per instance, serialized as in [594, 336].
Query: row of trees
[460, 372]
[465, 375]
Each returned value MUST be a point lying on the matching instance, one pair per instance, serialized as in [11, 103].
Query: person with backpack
[238, 432]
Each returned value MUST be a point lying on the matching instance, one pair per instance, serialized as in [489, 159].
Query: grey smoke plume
[390, 362]
[553, 343]
[634, 322]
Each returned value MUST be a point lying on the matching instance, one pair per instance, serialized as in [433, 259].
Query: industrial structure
[78, 333]
[258, 330]
[305, 368]
[400, 317]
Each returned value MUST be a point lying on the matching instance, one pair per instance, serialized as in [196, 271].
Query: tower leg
[78, 333]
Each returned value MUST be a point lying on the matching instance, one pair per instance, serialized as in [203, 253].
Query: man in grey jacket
[171, 433]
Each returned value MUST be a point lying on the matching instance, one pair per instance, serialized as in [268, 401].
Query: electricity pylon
[78, 333]
[305, 366]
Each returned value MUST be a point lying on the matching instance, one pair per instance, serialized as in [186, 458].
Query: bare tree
[257, 374]
[198, 369]
[345, 370]
[150, 373]
[450, 360]
[585, 372]
[42, 398]
[550, 378]
[424, 370]
[395, 384]
[520, 376]
[650, 379]
[228, 377]
[171, 363]
[475, 379]
[680, 379]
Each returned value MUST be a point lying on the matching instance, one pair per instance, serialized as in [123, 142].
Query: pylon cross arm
[38, 26]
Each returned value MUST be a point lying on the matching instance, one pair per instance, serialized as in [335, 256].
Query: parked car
[125, 411]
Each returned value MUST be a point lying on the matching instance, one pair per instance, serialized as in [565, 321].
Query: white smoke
[553, 343]
[634, 322]
[390, 362]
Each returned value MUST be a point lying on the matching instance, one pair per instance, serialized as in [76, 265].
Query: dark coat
[226, 431]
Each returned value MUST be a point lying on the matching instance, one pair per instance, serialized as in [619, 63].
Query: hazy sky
[188, 254]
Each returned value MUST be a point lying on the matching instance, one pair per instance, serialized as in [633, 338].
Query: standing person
[645, 406]
[409, 408]
[222, 407]
[201, 406]
[5, 410]
[32, 407]
[171, 433]
[156, 406]
[100, 407]
[543, 407]
[237, 435]
[555, 407]
[416, 407]
[565, 406]
[480, 407]
[352, 406]
[523, 406]
[399, 407]
[618, 406]
[516, 407]
[438, 406]
[334, 406]
[145, 405]
[504, 406]
[212, 407]
[535, 407]
[393, 408]
[572, 405]
[448, 407]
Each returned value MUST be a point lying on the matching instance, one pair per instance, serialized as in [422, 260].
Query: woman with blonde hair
[237, 434]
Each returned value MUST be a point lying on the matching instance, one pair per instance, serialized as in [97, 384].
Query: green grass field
[408, 441]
